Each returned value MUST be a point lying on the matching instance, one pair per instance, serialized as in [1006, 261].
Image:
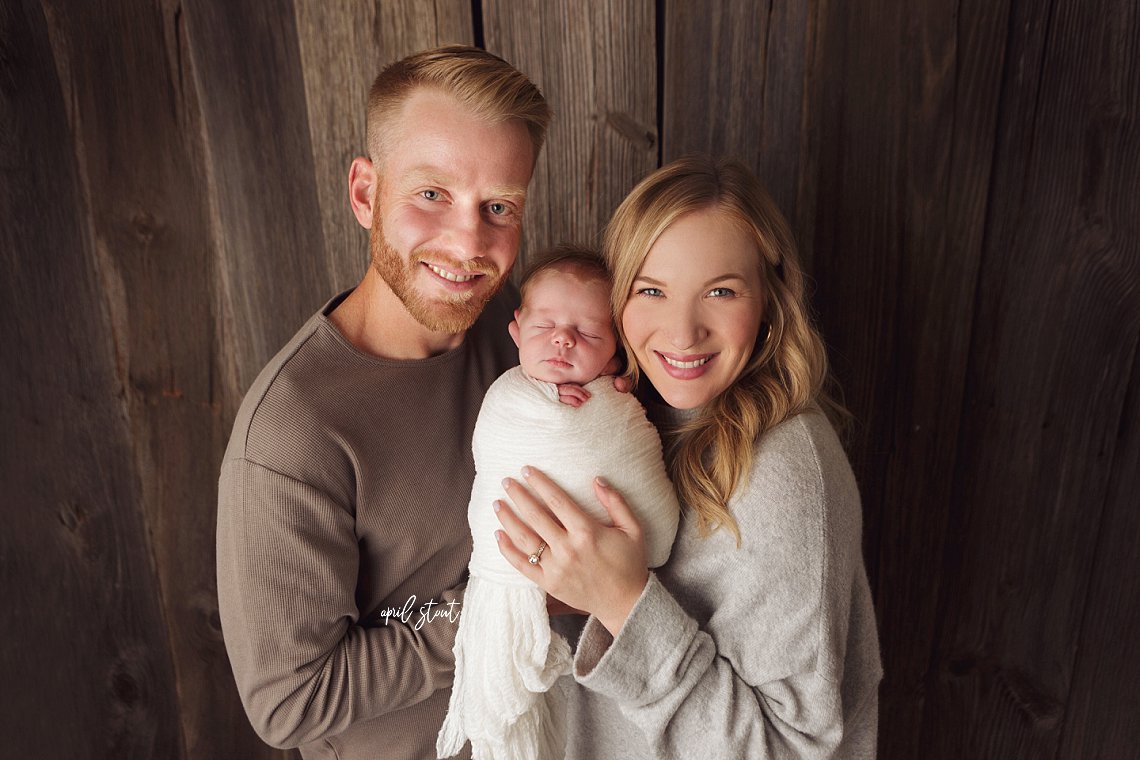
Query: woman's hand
[587, 565]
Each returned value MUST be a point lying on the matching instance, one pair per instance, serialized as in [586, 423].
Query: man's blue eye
[498, 209]
[431, 195]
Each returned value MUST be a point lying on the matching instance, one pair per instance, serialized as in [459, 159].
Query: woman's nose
[685, 330]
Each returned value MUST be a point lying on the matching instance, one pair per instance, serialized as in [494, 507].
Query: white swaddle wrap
[506, 656]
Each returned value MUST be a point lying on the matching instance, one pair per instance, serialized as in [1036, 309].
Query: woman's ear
[362, 190]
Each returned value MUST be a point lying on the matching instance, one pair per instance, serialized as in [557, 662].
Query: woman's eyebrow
[718, 278]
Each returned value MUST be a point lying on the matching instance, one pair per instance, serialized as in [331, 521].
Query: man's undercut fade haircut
[584, 263]
[492, 88]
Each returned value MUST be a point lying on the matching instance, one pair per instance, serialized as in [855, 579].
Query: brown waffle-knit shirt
[343, 495]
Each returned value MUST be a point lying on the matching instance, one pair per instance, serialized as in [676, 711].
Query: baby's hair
[578, 260]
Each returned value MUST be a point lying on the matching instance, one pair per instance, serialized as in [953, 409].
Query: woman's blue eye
[651, 292]
[722, 292]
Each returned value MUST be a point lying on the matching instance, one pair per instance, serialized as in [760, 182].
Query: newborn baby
[506, 656]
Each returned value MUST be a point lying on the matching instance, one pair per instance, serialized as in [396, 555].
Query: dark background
[962, 176]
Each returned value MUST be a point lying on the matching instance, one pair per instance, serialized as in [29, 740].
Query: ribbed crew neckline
[428, 361]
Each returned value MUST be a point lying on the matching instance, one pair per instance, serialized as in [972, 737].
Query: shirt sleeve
[305, 666]
[670, 680]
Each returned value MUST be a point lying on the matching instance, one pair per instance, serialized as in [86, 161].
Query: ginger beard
[447, 314]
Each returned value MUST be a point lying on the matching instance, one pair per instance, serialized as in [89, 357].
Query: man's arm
[287, 574]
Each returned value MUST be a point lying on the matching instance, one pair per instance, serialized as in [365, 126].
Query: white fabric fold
[506, 657]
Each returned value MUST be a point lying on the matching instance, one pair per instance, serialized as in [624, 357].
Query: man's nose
[466, 235]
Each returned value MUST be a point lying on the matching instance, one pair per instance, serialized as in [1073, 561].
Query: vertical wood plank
[271, 269]
[1103, 703]
[594, 62]
[85, 663]
[343, 47]
[743, 94]
[407, 26]
[1056, 325]
[953, 55]
[149, 225]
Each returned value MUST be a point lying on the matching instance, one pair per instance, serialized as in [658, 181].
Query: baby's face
[564, 332]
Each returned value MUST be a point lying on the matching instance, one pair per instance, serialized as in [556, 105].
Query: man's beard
[447, 314]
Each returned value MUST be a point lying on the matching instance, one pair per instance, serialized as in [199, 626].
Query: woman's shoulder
[802, 461]
[805, 441]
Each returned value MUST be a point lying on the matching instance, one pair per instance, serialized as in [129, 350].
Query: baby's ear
[613, 367]
[513, 328]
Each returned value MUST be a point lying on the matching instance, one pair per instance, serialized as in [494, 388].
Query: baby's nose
[563, 337]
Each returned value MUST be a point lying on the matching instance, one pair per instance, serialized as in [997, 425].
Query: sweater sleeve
[670, 680]
[762, 678]
[305, 665]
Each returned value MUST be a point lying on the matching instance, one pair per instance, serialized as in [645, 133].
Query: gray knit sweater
[766, 651]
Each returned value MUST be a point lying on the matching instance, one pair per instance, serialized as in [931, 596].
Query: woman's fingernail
[526, 471]
[498, 536]
[603, 482]
[506, 483]
[496, 505]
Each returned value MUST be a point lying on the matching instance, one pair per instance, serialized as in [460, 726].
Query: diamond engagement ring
[534, 558]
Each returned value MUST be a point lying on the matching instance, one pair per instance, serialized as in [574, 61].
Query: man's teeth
[685, 365]
[452, 277]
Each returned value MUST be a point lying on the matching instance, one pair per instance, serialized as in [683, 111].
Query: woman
[757, 638]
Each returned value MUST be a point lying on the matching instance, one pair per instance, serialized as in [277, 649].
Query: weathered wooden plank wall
[961, 175]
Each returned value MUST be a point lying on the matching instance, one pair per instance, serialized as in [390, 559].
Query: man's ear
[362, 190]
[513, 328]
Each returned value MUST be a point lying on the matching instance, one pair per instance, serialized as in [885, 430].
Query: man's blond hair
[492, 88]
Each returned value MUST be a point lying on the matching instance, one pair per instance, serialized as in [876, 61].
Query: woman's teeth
[685, 365]
[452, 277]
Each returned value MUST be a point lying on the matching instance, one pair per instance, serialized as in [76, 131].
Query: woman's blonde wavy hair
[711, 456]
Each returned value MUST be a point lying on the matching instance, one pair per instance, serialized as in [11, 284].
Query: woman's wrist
[614, 617]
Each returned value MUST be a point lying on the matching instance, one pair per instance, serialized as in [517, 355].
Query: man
[342, 531]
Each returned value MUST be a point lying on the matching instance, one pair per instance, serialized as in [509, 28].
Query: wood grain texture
[1102, 704]
[86, 665]
[744, 95]
[265, 224]
[149, 234]
[953, 58]
[1052, 352]
[595, 63]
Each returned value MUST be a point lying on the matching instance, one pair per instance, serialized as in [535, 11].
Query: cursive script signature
[428, 611]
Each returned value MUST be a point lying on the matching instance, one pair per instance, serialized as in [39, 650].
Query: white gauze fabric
[506, 656]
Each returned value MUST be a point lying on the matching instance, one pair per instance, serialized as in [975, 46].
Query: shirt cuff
[634, 665]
